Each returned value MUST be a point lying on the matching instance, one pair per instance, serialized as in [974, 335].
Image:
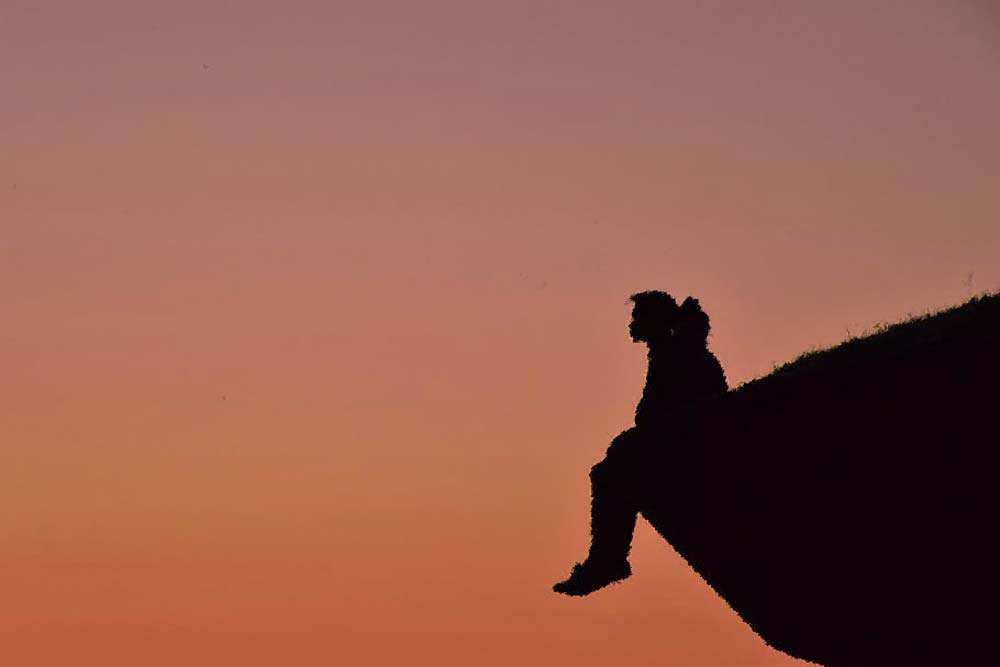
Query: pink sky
[315, 313]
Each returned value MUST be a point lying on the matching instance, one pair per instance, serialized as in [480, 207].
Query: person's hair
[692, 325]
[658, 309]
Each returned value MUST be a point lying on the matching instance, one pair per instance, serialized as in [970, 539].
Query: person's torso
[677, 377]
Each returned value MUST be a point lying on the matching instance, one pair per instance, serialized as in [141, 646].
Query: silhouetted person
[681, 371]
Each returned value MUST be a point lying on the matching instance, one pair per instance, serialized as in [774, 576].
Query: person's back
[681, 369]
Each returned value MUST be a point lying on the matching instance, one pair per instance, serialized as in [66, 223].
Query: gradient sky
[315, 313]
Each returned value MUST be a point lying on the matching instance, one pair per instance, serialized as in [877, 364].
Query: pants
[613, 504]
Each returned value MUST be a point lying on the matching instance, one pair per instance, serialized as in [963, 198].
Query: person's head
[691, 327]
[653, 316]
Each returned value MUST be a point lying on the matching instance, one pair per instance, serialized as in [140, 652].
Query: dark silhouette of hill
[846, 506]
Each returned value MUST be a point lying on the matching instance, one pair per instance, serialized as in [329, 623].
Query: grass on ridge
[974, 322]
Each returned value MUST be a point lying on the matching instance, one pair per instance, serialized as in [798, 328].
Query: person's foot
[588, 577]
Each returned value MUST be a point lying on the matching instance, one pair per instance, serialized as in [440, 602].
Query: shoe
[588, 577]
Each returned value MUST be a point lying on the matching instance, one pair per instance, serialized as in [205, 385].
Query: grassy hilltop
[846, 505]
[964, 332]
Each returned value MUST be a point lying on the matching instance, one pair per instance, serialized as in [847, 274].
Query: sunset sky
[314, 313]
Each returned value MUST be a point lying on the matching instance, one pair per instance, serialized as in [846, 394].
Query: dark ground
[846, 506]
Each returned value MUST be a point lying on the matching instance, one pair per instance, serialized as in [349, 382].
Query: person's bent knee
[599, 471]
[609, 471]
[627, 436]
[624, 443]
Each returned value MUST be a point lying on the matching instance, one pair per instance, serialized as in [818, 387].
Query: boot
[591, 575]
[612, 522]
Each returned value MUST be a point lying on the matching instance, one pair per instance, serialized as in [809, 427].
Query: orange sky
[315, 313]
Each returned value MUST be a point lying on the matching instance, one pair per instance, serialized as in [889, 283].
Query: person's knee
[627, 436]
[599, 471]
[611, 471]
[625, 445]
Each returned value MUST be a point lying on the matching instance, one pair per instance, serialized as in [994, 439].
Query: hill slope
[846, 505]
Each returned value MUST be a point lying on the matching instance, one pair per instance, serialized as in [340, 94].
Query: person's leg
[612, 520]
[612, 513]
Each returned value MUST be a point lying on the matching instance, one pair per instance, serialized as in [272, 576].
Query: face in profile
[641, 326]
[633, 327]
[654, 315]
